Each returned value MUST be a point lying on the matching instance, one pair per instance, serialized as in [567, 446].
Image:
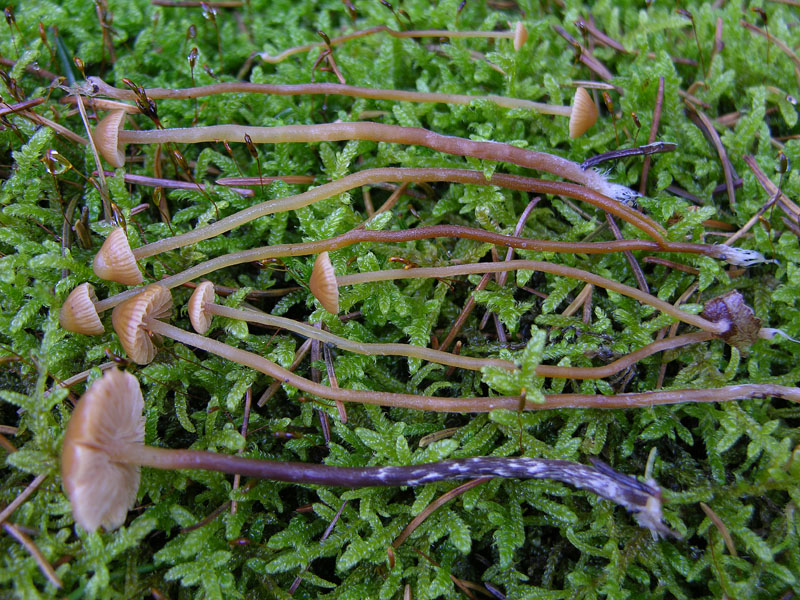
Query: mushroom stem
[240, 87]
[428, 354]
[712, 327]
[380, 132]
[403, 175]
[455, 360]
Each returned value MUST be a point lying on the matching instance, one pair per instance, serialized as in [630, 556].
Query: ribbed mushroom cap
[198, 316]
[108, 417]
[323, 283]
[106, 138]
[128, 319]
[115, 261]
[584, 113]
[78, 314]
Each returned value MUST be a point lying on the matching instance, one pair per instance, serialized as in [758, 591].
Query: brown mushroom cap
[108, 417]
[198, 316]
[106, 138]
[520, 35]
[78, 314]
[584, 113]
[323, 283]
[115, 261]
[128, 319]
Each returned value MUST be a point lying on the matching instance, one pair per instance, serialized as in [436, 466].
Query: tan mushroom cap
[115, 261]
[584, 113]
[106, 138]
[129, 321]
[108, 417]
[198, 316]
[78, 314]
[323, 283]
[520, 35]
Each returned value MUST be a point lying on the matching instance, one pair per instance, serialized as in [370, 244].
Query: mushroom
[587, 109]
[112, 138]
[104, 448]
[78, 313]
[323, 283]
[115, 260]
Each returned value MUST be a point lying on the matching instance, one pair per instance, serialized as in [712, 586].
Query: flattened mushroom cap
[108, 417]
[584, 113]
[78, 313]
[128, 319]
[323, 283]
[106, 138]
[115, 261]
[198, 316]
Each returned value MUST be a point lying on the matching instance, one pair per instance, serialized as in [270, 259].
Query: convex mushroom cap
[115, 260]
[106, 138]
[130, 318]
[198, 315]
[583, 115]
[323, 283]
[78, 313]
[106, 420]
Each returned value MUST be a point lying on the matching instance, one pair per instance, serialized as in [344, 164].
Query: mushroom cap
[106, 138]
[520, 36]
[115, 261]
[198, 316]
[128, 319]
[78, 314]
[584, 113]
[323, 283]
[108, 417]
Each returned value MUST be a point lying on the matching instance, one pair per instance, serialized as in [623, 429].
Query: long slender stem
[472, 405]
[357, 236]
[625, 490]
[381, 132]
[371, 176]
[545, 267]
[239, 87]
[428, 354]
[455, 360]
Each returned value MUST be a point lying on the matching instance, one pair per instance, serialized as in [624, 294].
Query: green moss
[529, 539]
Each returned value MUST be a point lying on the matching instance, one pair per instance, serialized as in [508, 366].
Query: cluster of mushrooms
[103, 445]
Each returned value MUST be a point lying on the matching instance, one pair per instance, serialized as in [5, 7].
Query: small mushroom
[583, 115]
[323, 283]
[115, 260]
[130, 317]
[106, 138]
[107, 418]
[199, 317]
[78, 313]
[104, 448]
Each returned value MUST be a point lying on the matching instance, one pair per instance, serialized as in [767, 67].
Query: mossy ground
[528, 539]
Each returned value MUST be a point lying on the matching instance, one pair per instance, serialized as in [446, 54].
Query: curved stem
[456, 360]
[401, 175]
[357, 236]
[427, 354]
[471, 405]
[545, 267]
[381, 132]
[239, 87]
